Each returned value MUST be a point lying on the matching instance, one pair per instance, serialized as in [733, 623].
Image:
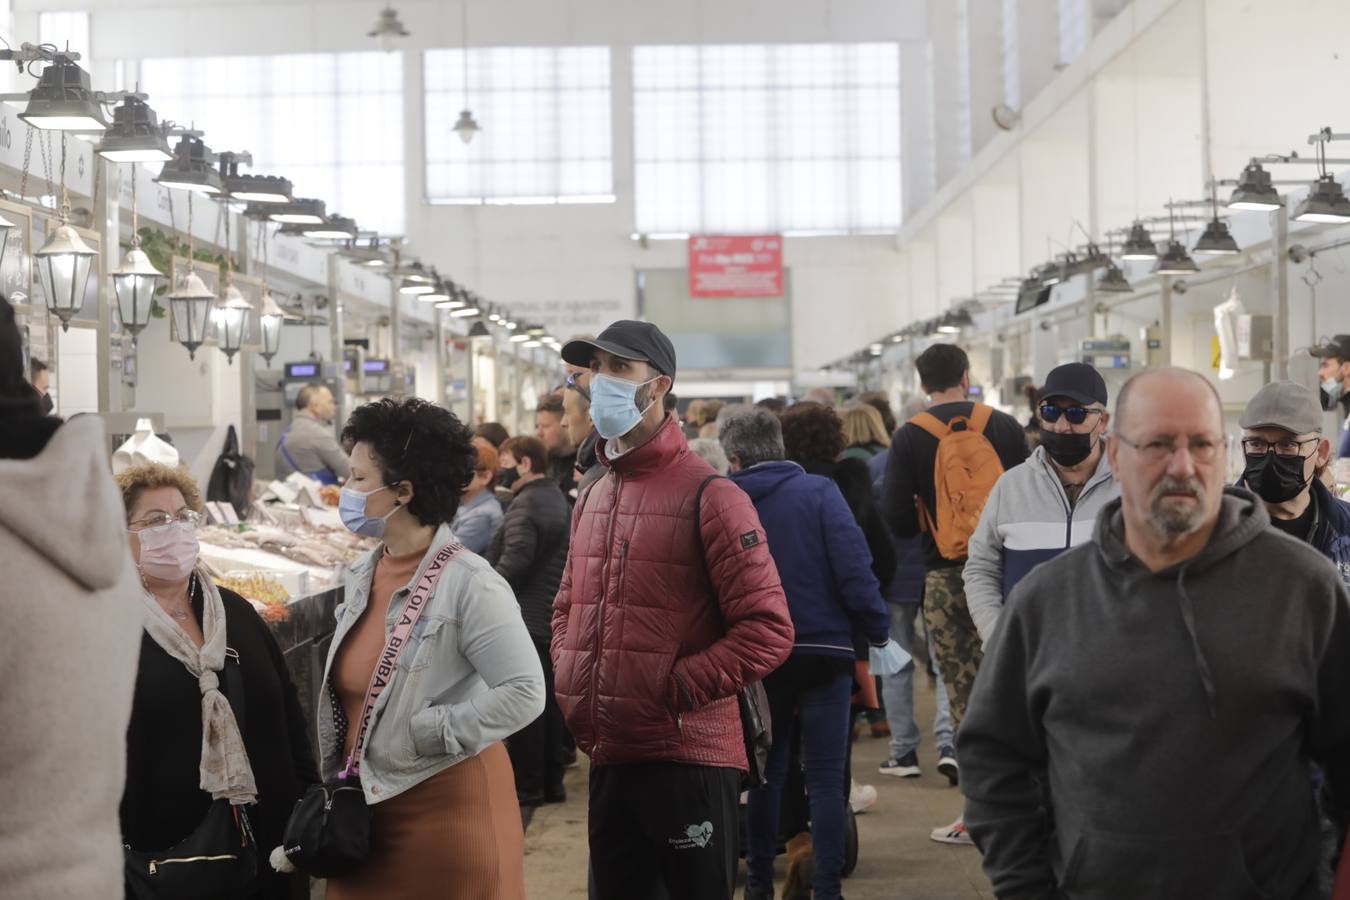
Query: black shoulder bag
[756, 723]
[219, 860]
[328, 833]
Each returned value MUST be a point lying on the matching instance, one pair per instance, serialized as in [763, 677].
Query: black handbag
[328, 833]
[753, 702]
[219, 859]
[232, 478]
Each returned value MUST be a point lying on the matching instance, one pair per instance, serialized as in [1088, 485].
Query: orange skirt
[455, 836]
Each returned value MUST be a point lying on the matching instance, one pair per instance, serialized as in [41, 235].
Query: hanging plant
[161, 248]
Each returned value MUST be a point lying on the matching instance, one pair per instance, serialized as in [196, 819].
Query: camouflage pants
[956, 643]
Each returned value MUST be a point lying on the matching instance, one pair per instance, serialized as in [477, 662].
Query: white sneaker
[954, 833]
[861, 797]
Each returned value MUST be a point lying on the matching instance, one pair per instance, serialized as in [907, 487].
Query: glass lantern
[191, 305]
[271, 320]
[135, 282]
[230, 316]
[63, 265]
[6, 226]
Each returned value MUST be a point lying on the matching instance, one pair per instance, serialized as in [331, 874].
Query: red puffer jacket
[646, 669]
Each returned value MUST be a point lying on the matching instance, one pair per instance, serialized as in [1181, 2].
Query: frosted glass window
[794, 138]
[545, 119]
[330, 122]
[66, 31]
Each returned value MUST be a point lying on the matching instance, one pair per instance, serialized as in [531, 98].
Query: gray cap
[1284, 404]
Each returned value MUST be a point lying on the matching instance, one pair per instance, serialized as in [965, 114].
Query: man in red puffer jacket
[651, 643]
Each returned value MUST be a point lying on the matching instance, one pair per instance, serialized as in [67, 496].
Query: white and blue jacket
[1026, 521]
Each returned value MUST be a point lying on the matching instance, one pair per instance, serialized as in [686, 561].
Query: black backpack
[232, 478]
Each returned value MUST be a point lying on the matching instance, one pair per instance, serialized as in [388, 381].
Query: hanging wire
[464, 40]
[135, 217]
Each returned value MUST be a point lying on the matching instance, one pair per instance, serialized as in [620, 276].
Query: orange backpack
[963, 476]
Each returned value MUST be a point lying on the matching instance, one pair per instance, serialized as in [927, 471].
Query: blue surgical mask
[352, 509]
[614, 408]
[1333, 388]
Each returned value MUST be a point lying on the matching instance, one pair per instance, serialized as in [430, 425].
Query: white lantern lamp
[191, 305]
[230, 316]
[63, 265]
[271, 320]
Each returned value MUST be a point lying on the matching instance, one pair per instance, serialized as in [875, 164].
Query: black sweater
[163, 801]
[530, 551]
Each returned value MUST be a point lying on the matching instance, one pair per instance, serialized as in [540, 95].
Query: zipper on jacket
[623, 571]
[156, 863]
[600, 612]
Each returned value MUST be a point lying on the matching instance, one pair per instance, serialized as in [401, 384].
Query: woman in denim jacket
[433, 767]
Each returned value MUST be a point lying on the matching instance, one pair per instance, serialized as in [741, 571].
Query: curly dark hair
[812, 433]
[413, 440]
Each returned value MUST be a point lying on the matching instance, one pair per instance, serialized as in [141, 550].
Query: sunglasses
[1076, 415]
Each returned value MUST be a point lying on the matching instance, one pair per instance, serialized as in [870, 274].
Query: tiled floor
[896, 858]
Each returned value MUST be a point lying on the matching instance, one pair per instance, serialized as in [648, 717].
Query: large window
[545, 119]
[796, 138]
[330, 122]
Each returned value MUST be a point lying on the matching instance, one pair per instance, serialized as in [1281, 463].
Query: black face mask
[507, 477]
[1276, 479]
[1067, 449]
[47, 404]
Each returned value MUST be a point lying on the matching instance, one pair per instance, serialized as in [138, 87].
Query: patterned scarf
[225, 768]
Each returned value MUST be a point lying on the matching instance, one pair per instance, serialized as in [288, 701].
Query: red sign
[736, 265]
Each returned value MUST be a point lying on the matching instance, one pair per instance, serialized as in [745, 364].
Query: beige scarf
[225, 768]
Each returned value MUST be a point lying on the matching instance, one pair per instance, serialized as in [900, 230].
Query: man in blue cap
[1049, 503]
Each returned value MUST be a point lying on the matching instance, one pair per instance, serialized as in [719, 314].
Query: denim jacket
[468, 677]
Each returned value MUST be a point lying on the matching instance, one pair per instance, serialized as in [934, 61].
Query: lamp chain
[27, 160]
[65, 195]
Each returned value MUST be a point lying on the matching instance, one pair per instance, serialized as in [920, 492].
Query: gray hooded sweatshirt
[1169, 717]
[70, 639]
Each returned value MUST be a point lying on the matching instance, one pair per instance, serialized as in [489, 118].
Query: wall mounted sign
[748, 265]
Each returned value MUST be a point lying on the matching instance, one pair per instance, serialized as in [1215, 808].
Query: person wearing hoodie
[68, 648]
[1158, 692]
[1049, 503]
[826, 570]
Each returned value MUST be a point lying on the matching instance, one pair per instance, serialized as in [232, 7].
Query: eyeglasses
[162, 519]
[1202, 449]
[1076, 415]
[573, 384]
[1285, 447]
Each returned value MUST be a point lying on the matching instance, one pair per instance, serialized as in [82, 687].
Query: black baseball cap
[627, 338]
[1337, 347]
[1077, 381]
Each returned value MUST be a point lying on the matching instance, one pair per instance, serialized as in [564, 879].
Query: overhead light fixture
[191, 169]
[954, 321]
[1113, 281]
[1326, 202]
[510, 325]
[271, 318]
[190, 304]
[388, 30]
[519, 337]
[1217, 240]
[135, 282]
[411, 288]
[1255, 191]
[464, 312]
[135, 135]
[265, 189]
[536, 330]
[335, 228]
[63, 265]
[230, 316]
[479, 329]
[63, 99]
[1139, 245]
[305, 211]
[438, 294]
[875, 349]
[466, 126]
[1176, 261]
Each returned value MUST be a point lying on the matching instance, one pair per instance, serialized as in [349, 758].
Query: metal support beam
[1165, 322]
[107, 213]
[1279, 290]
[438, 329]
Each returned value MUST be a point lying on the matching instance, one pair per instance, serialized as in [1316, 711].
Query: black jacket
[163, 800]
[530, 550]
[855, 483]
[589, 466]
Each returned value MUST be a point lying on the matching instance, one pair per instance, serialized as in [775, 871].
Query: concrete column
[984, 35]
[918, 152]
[1038, 45]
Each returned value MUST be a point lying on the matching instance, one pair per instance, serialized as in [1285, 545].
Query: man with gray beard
[1148, 704]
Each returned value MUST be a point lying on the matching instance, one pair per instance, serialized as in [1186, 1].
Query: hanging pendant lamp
[190, 303]
[65, 261]
[230, 317]
[136, 279]
[271, 319]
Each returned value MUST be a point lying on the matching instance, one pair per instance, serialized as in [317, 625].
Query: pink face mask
[169, 552]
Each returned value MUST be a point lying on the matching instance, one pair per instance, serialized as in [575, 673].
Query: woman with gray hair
[711, 451]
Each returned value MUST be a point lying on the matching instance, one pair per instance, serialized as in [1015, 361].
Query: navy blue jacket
[1333, 529]
[822, 558]
[911, 568]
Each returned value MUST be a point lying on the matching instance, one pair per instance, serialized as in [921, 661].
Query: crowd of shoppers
[1146, 665]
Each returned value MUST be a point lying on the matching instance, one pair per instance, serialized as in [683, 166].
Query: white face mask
[169, 552]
